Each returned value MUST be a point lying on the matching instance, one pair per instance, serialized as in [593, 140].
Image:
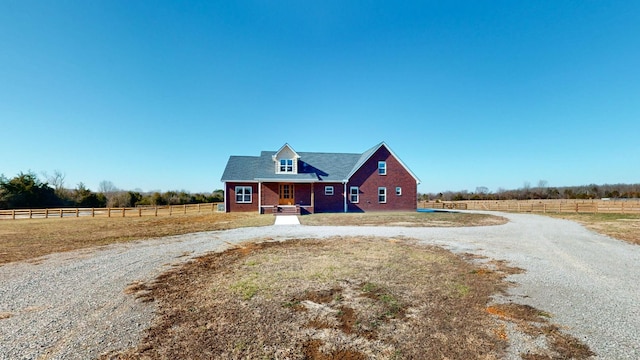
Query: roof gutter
[271, 180]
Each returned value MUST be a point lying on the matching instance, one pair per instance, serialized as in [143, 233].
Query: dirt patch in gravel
[341, 298]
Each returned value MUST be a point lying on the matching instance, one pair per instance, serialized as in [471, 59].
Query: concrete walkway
[287, 220]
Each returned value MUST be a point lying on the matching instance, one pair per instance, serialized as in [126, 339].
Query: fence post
[13, 214]
[139, 212]
[212, 207]
[198, 208]
[46, 213]
[108, 212]
[61, 212]
[124, 209]
[185, 208]
[93, 212]
[77, 212]
[170, 210]
[156, 210]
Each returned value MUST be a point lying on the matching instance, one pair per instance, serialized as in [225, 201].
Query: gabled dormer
[286, 160]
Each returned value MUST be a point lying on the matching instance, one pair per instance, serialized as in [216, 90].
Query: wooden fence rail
[541, 206]
[110, 212]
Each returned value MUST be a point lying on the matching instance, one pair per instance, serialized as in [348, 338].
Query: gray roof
[312, 167]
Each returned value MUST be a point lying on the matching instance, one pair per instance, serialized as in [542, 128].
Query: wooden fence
[111, 212]
[541, 206]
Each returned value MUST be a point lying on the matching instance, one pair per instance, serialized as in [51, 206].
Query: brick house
[310, 182]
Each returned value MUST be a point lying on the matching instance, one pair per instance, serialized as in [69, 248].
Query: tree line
[541, 191]
[28, 191]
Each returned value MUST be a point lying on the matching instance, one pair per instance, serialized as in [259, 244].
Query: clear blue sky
[155, 95]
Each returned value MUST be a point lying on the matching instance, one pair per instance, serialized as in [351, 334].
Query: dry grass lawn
[341, 298]
[27, 239]
[620, 226]
[413, 219]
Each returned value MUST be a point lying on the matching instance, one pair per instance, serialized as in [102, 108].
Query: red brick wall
[329, 203]
[232, 206]
[270, 194]
[302, 193]
[368, 180]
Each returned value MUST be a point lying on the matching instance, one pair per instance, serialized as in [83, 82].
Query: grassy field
[620, 226]
[27, 239]
[341, 298]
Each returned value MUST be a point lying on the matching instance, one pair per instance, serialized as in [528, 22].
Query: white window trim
[328, 190]
[357, 194]
[382, 191]
[244, 193]
[382, 168]
[398, 191]
[284, 163]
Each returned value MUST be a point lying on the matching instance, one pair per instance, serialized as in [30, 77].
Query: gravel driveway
[74, 306]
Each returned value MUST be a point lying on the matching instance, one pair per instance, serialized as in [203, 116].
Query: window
[398, 190]
[382, 195]
[243, 194]
[354, 194]
[382, 168]
[286, 165]
[328, 190]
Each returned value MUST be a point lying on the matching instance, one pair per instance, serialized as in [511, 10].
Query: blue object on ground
[434, 210]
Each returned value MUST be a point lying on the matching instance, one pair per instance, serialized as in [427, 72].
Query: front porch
[281, 198]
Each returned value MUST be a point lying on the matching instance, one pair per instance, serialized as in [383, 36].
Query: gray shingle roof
[312, 166]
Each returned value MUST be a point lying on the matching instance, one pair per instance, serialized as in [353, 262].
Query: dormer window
[286, 165]
[286, 160]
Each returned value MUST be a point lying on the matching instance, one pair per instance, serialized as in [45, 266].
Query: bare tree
[106, 187]
[109, 190]
[57, 182]
[542, 184]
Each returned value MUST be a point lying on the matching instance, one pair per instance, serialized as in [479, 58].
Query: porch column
[313, 198]
[224, 195]
[259, 197]
[344, 195]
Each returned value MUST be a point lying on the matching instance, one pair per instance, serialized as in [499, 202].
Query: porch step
[286, 210]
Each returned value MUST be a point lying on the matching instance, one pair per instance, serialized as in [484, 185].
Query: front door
[286, 195]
